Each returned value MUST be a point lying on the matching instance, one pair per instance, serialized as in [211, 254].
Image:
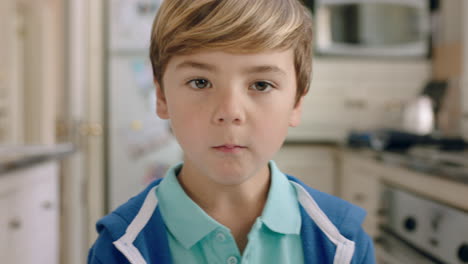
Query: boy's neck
[234, 206]
[213, 197]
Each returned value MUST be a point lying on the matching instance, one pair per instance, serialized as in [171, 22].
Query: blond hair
[240, 26]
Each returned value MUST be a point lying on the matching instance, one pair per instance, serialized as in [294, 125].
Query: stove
[416, 229]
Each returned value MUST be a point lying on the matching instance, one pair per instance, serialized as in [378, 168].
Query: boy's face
[229, 112]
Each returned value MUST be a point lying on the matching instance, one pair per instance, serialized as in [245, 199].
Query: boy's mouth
[229, 148]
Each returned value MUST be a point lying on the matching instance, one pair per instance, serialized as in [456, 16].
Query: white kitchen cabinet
[314, 165]
[3, 230]
[30, 219]
[10, 94]
[31, 70]
[360, 186]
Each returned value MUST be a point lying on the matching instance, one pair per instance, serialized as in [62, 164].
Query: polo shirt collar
[189, 223]
[281, 212]
[182, 216]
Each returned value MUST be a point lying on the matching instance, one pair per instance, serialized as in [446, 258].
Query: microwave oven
[389, 28]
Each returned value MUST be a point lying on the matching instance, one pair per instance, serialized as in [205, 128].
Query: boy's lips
[229, 148]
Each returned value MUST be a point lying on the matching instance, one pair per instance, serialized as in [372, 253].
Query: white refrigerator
[140, 146]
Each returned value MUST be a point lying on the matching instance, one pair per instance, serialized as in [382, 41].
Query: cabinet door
[3, 231]
[10, 78]
[360, 186]
[314, 165]
[4, 59]
[33, 225]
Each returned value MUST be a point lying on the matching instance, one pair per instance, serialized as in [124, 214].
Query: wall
[357, 94]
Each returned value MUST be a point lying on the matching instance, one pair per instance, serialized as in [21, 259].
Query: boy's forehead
[233, 52]
[210, 58]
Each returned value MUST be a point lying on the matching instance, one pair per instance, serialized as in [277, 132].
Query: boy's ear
[161, 102]
[295, 118]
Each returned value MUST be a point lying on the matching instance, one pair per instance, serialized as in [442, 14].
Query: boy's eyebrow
[263, 69]
[198, 65]
[249, 70]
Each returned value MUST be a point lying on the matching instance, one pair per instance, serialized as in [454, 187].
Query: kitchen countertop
[13, 157]
[396, 169]
[430, 163]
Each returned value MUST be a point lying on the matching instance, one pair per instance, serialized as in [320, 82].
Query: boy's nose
[228, 110]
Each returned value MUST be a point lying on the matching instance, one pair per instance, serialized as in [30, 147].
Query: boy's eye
[261, 86]
[199, 83]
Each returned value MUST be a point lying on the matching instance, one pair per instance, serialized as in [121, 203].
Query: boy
[231, 76]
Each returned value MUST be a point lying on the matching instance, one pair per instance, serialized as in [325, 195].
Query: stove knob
[435, 221]
[410, 224]
[463, 253]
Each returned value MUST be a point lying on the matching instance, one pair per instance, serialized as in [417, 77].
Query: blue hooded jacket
[331, 231]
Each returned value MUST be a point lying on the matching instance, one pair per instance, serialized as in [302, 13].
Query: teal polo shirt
[195, 237]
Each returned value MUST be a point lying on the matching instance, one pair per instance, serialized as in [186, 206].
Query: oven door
[390, 249]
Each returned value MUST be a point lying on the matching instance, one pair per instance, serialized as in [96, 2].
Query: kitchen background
[385, 123]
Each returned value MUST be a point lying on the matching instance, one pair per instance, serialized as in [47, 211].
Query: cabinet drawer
[314, 165]
[361, 190]
[32, 224]
[4, 256]
[360, 186]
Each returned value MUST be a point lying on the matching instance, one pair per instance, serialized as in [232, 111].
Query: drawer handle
[356, 103]
[359, 197]
[15, 224]
[382, 212]
[47, 205]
